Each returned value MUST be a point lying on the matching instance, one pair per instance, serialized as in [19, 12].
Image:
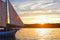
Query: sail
[2, 14]
[14, 18]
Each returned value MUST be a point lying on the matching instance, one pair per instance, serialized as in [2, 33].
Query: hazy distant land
[48, 25]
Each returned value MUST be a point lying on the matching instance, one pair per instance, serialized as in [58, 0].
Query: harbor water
[38, 34]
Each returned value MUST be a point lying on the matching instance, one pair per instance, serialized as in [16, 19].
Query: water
[38, 34]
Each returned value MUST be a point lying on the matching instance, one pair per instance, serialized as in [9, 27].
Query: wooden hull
[8, 32]
[8, 35]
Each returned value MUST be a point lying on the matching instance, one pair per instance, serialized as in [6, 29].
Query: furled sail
[14, 18]
[3, 14]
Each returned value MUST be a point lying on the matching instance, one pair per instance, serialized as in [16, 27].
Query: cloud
[38, 5]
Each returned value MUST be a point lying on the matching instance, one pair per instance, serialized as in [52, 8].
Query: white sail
[14, 18]
[3, 14]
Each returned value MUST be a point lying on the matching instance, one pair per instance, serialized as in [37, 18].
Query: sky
[37, 11]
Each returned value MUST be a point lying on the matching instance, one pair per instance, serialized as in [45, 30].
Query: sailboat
[10, 22]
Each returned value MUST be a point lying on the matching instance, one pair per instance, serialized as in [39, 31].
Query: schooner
[9, 19]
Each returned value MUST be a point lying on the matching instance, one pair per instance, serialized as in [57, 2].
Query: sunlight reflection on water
[38, 34]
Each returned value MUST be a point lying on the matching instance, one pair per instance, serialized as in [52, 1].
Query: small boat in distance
[10, 22]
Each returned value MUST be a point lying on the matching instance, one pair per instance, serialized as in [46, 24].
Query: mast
[8, 17]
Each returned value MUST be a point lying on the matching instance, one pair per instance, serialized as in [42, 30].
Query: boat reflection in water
[38, 34]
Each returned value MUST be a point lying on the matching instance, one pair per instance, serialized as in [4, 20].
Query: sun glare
[8, 20]
[44, 19]
[41, 20]
[41, 31]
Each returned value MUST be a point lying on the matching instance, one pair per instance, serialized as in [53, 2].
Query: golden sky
[40, 17]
